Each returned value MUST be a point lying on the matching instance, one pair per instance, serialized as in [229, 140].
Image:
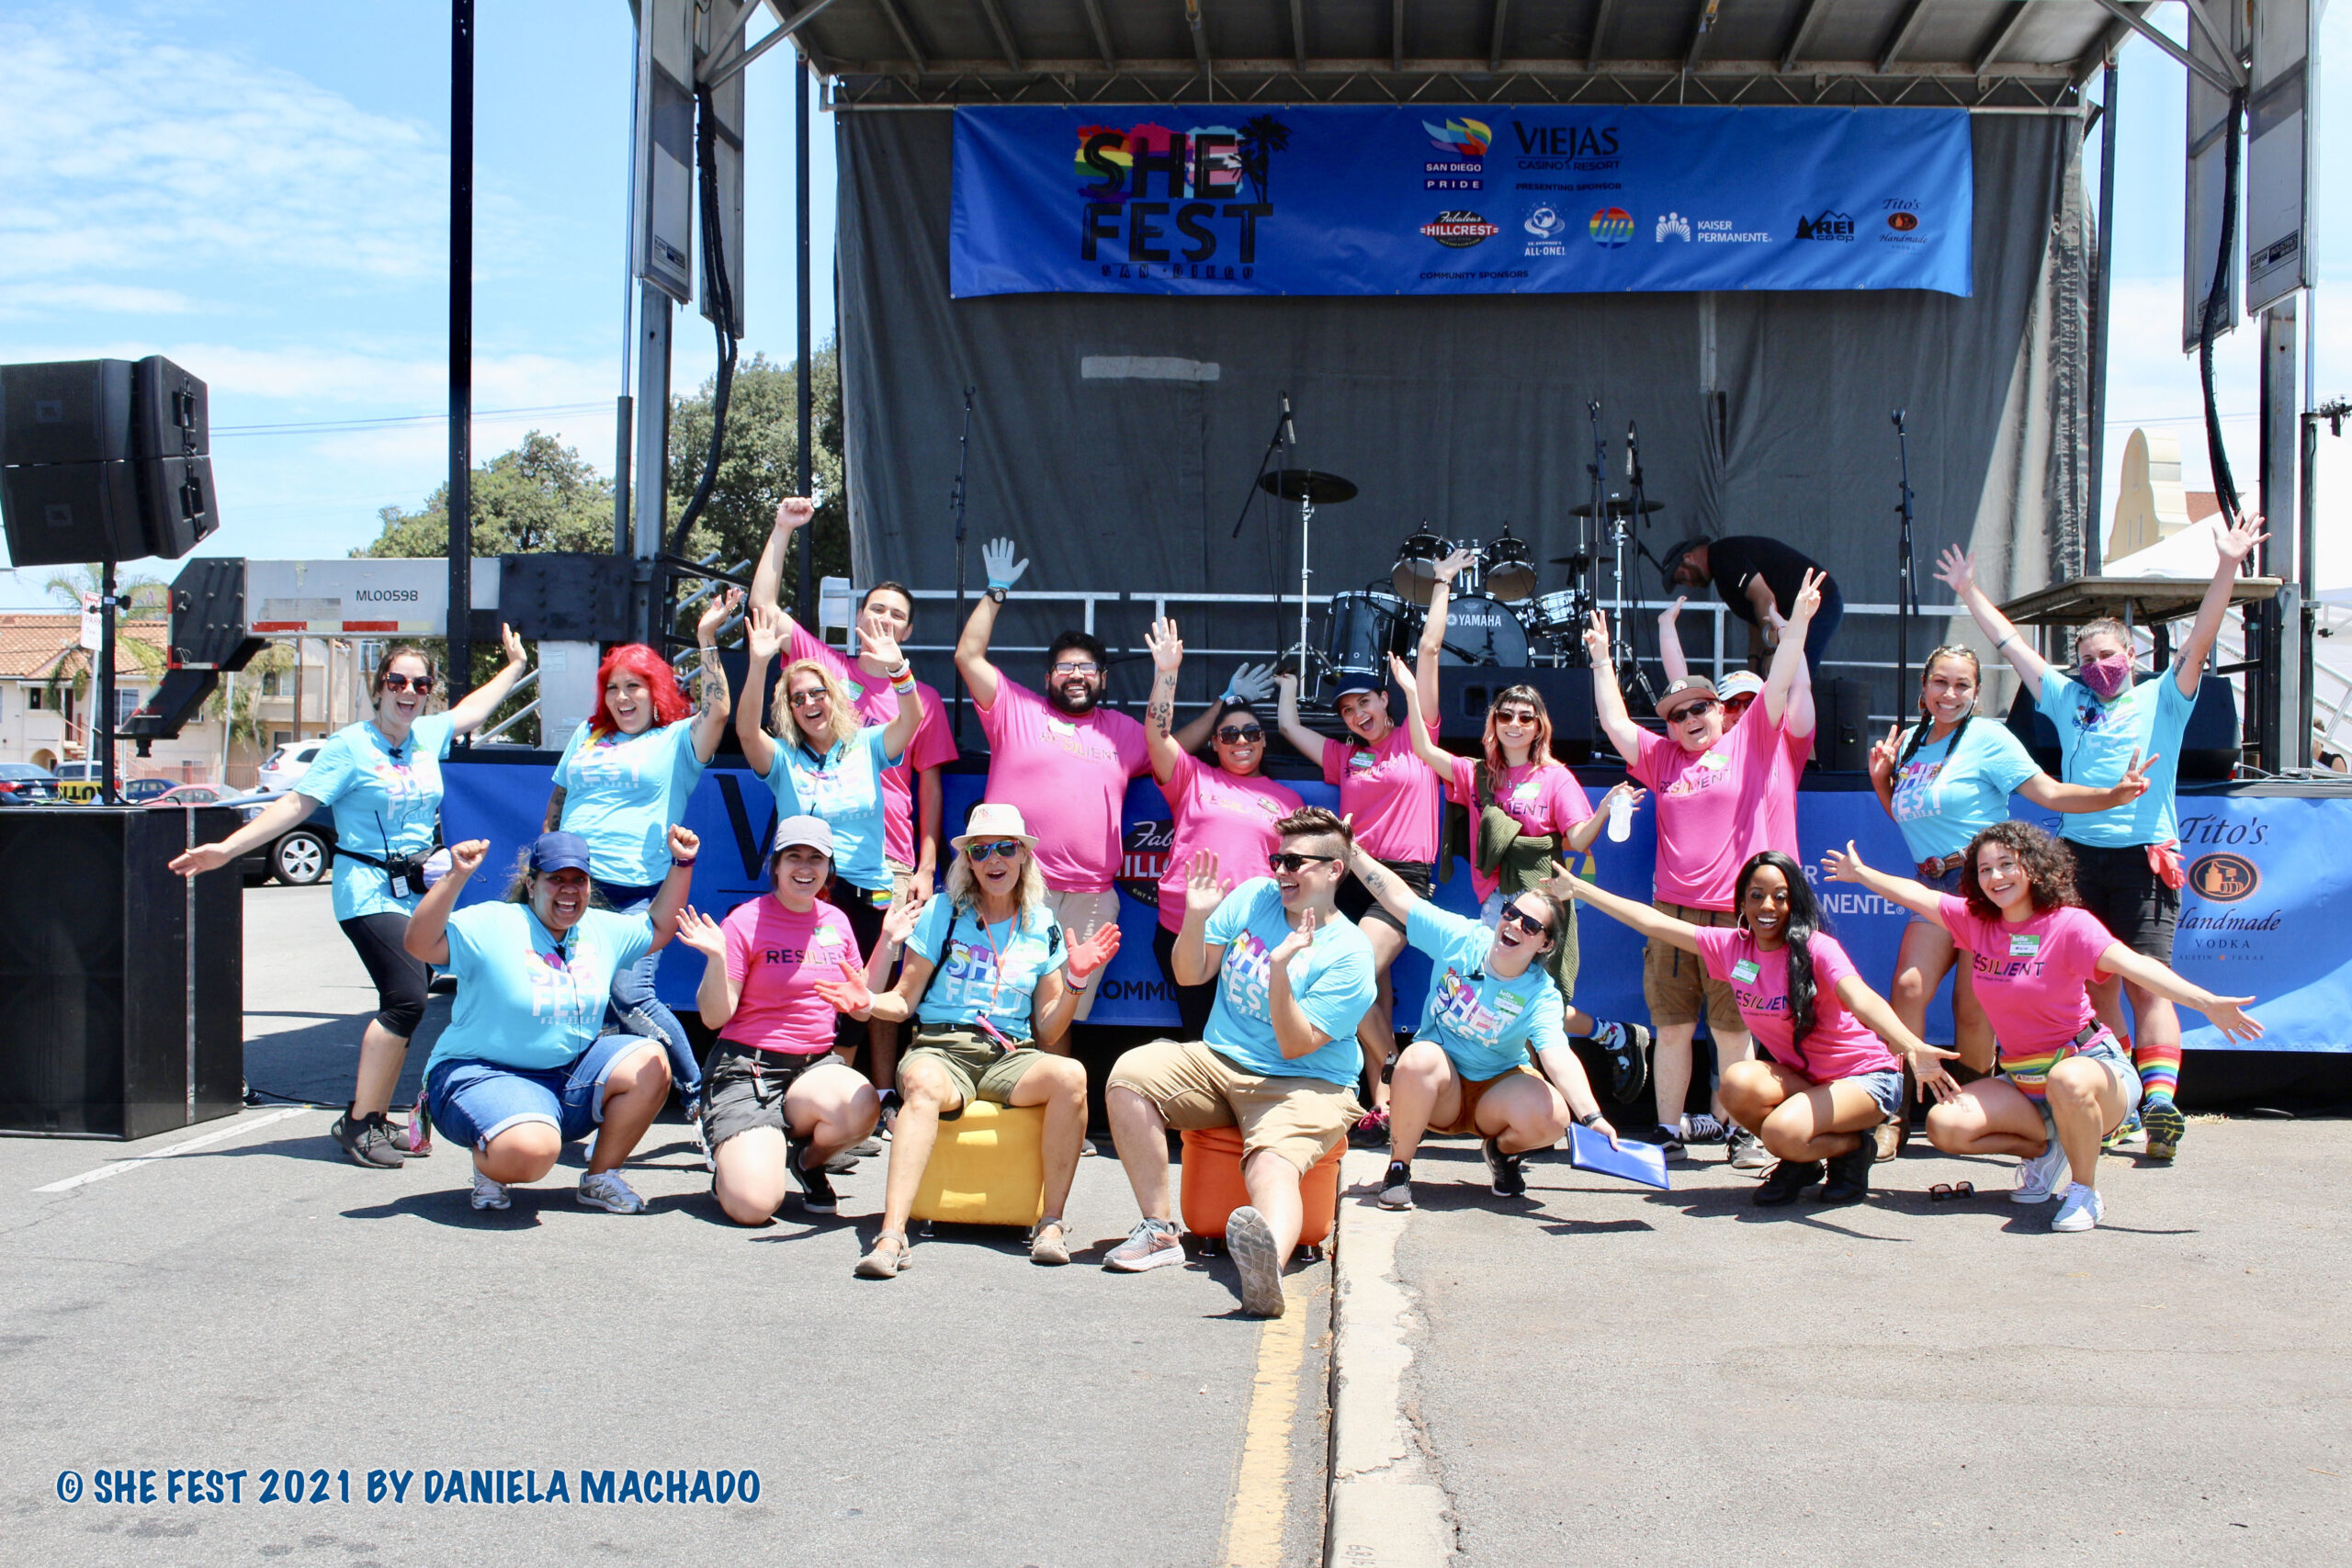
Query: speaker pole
[461, 346]
[102, 722]
[807, 475]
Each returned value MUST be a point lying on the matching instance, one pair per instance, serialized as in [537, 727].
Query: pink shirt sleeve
[935, 743]
[1462, 781]
[802, 643]
[2086, 942]
[1647, 750]
[1717, 945]
[1566, 799]
[1830, 965]
[737, 928]
[1335, 757]
[1966, 928]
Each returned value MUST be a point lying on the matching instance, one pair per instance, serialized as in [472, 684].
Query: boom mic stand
[1906, 590]
[1621, 531]
[956, 505]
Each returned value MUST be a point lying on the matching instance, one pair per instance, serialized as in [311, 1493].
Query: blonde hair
[1028, 893]
[839, 713]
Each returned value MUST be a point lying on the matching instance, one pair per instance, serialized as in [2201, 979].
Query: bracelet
[2004, 642]
[676, 863]
[1588, 1121]
[905, 671]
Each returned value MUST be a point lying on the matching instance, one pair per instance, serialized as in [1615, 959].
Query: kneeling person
[1491, 1003]
[1278, 1059]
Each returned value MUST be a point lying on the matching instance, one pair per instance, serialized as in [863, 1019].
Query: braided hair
[1804, 924]
[1927, 720]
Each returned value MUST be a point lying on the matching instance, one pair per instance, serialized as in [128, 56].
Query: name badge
[2025, 947]
[1745, 971]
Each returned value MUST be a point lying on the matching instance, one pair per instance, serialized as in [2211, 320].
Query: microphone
[1630, 443]
[1290, 431]
[1898, 420]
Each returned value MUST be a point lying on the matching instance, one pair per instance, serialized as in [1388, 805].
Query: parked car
[183, 794]
[288, 763]
[77, 781]
[298, 857]
[141, 792]
[23, 782]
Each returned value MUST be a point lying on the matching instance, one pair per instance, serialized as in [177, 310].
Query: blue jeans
[633, 994]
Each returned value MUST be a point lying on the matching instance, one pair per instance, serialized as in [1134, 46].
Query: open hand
[701, 933]
[1301, 938]
[1956, 570]
[875, 637]
[1204, 889]
[1927, 1067]
[1450, 567]
[1250, 683]
[1166, 647]
[1846, 866]
[2228, 1014]
[764, 632]
[2236, 542]
[849, 994]
[899, 919]
[715, 615]
[203, 858]
[1085, 957]
[1003, 570]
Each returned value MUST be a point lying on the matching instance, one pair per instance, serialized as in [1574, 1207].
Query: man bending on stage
[1758, 577]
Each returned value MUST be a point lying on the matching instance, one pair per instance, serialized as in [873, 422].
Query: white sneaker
[2080, 1212]
[605, 1189]
[489, 1194]
[2039, 1179]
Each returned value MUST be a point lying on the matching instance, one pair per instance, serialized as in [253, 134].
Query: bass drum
[1478, 630]
[1363, 629]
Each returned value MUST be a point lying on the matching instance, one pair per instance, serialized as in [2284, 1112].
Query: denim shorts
[1886, 1087]
[473, 1102]
[2108, 1054]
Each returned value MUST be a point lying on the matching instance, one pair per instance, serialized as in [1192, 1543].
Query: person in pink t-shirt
[1721, 798]
[1227, 808]
[1391, 798]
[1830, 1071]
[2065, 1082]
[1063, 758]
[778, 1102]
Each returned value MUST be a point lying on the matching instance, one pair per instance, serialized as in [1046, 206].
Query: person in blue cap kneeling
[521, 1071]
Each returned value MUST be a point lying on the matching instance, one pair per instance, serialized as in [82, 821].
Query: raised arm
[1917, 898]
[716, 704]
[1195, 960]
[427, 936]
[1608, 701]
[470, 714]
[2235, 547]
[1297, 734]
[794, 512]
[875, 636]
[1788, 658]
[1060, 991]
[1956, 569]
[1565, 884]
[1382, 884]
[719, 993]
[762, 637]
[1160, 709]
[2053, 796]
[1248, 683]
[981, 677]
[1432, 645]
[554, 820]
[685, 844]
[1439, 759]
[1669, 640]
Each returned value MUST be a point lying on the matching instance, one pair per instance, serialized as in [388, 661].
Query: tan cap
[1683, 688]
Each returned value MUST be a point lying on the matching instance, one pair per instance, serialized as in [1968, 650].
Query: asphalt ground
[258, 1304]
[1607, 1374]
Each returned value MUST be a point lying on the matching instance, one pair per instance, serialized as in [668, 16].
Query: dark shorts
[2130, 899]
[1193, 1003]
[1357, 903]
[402, 983]
[743, 1087]
[864, 916]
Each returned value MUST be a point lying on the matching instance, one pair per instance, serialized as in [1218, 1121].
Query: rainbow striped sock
[2159, 1069]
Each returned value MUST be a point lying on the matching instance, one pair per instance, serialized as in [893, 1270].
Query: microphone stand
[1595, 518]
[1906, 591]
[1622, 529]
[956, 505]
[1279, 442]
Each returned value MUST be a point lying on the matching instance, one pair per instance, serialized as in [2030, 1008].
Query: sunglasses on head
[1690, 710]
[1533, 925]
[1287, 861]
[1234, 734]
[423, 684]
[1008, 847]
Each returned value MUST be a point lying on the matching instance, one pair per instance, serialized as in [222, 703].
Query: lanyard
[996, 959]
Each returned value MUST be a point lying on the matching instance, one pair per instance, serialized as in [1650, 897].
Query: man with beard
[1064, 761]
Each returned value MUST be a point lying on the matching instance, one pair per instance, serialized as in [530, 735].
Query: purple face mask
[2107, 675]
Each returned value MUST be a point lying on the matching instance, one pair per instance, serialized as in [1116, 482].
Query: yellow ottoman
[988, 1168]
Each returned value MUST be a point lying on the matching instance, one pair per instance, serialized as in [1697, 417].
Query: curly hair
[841, 716]
[2048, 863]
[1804, 924]
[637, 660]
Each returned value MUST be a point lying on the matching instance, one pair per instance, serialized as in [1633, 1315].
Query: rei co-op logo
[1826, 226]
[1460, 230]
[2223, 878]
[1610, 227]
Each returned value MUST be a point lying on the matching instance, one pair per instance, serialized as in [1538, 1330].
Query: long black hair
[1804, 924]
[1926, 720]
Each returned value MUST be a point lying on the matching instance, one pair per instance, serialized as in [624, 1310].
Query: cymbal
[1308, 484]
[1619, 506]
[1574, 563]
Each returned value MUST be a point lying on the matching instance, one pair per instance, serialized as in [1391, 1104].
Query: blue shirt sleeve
[687, 767]
[331, 772]
[1341, 991]
[1545, 1020]
[1435, 930]
[779, 780]
[2057, 696]
[473, 934]
[630, 935]
[2002, 756]
[873, 738]
[931, 931]
[571, 750]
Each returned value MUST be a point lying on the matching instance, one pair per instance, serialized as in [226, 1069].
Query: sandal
[1047, 1244]
[880, 1264]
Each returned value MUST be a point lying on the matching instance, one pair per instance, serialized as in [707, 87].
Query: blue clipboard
[1645, 1163]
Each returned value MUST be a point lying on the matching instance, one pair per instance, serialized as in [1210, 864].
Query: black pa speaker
[2209, 746]
[74, 412]
[122, 983]
[1467, 690]
[1842, 716]
[104, 459]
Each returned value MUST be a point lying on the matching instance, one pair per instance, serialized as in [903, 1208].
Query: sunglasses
[1069, 667]
[1533, 925]
[1690, 710]
[805, 699]
[1235, 734]
[1291, 863]
[1944, 1191]
[423, 684]
[1519, 719]
[1008, 847]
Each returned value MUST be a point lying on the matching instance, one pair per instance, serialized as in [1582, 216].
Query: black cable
[2216, 306]
[720, 292]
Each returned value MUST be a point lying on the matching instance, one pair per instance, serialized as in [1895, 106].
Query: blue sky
[258, 189]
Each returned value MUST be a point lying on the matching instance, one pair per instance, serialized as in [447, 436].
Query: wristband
[2004, 642]
[675, 863]
[1588, 1121]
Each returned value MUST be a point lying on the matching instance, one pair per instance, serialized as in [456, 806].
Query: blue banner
[1222, 200]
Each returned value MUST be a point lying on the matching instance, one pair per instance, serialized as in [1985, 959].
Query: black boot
[1850, 1173]
[1788, 1178]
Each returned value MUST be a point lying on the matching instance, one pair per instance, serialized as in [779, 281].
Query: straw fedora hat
[995, 820]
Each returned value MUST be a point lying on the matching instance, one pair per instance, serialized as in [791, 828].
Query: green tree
[759, 464]
[538, 496]
[142, 598]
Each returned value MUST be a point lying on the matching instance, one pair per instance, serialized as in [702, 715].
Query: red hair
[636, 658]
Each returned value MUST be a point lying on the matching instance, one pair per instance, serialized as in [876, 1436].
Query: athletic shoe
[878, 1264]
[368, 1140]
[870, 1149]
[605, 1189]
[489, 1194]
[1151, 1245]
[702, 1145]
[2039, 1179]
[817, 1193]
[1372, 1130]
[1627, 1046]
[1849, 1175]
[1396, 1187]
[1786, 1181]
[2081, 1210]
[1670, 1141]
[1748, 1153]
[1251, 1242]
[1049, 1242]
[1503, 1172]
[1703, 1129]
[2165, 1125]
[2125, 1131]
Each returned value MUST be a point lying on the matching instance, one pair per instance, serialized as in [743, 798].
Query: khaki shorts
[1081, 914]
[1465, 1122]
[1194, 1088]
[976, 1066]
[1674, 983]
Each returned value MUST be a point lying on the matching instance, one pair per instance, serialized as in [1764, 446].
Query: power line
[386, 420]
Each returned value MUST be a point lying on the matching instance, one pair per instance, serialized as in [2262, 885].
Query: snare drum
[1416, 571]
[1564, 614]
[1480, 630]
[1508, 568]
[1361, 631]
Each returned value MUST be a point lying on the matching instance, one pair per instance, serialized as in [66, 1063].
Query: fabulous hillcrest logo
[1162, 202]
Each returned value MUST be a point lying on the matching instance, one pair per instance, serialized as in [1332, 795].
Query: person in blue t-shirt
[525, 1068]
[1945, 779]
[820, 763]
[1492, 1006]
[382, 779]
[1278, 1061]
[623, 781]
[2127, 859]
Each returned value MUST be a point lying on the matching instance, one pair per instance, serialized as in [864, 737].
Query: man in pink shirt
[1721, 795]
[1063, 758]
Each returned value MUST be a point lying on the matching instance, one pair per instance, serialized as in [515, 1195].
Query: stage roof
[2013, 54]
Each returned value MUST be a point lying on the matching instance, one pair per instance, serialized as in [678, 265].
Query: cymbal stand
[1622, 531]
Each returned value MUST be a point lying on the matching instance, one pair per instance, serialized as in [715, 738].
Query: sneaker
[605, 1189]
[489, 1194]
[1396, 1187]
[1787, 1180]
[702, 1145]
[2039, 1179]
[368, 1140]
[1371, 1132]
[1748, 1153]
[842, 1164]
[1704, 1128]
[1503, 1170]
[2125, 1131]
[870, 1149]
[1849, 1175]
[2081, 1210]
[817, 1193]
[1251, 1242]
[1151, 1245]
[1049, 1242]
[1627, 1046]
[1668, 1141]
[2165, 1124]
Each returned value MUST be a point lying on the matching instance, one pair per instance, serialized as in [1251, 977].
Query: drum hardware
[1575, 563]
[1362, 632]
[1415, 573]
[1308, 488]
[1507, 568]
[1616, 506]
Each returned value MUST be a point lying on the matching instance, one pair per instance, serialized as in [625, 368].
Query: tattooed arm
[714, 702]
[1382, 883]
[1160, 713]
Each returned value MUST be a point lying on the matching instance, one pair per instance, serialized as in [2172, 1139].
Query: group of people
[1278, 922]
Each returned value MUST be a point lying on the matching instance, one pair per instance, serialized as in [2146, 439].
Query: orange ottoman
[1211, 1187]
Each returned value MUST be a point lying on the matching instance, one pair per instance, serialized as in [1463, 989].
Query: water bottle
[1621, 817]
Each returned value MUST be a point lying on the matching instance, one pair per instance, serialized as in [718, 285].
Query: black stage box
[121, 984]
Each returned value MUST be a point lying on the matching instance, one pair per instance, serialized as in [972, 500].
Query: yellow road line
[1254, 1520]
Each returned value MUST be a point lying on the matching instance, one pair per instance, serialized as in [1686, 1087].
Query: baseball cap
[1686, 686]
[805, 832]
[1672, 560]
[1742, 683]
[1359, 682]
[559, 851]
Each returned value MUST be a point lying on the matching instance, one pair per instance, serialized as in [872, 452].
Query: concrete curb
[1387, 1507]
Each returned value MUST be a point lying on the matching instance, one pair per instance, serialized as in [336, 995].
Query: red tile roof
[34, 647]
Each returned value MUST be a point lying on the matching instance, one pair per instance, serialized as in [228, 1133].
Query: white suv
[287, 765]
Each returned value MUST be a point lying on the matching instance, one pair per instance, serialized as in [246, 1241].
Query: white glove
[1003, 570]
[1250, 683]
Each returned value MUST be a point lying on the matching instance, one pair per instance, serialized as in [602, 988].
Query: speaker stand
[101, 726]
